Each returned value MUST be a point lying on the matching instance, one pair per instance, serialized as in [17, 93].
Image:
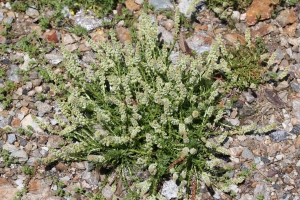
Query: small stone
[91, 177]
[51, 36]
[161, 4]
[247, 154]
[165, 35]
[131, 5]
[276, 186]
[123, 34]
[233, 122]
[169, 189]
[265, 160]
[278, 136]
[272, 173]
[11, 138]
[61, 167]
[261, 8]
[282, 85]
[296, 129]
[21, 154]
[249, 97]
[295, 86]
[55, 141]
[33, 13]
[23, 143]
[7, 190]
[107, 192]
[32, 162]
[236, 151]
[67, 39]
[54, 58]
[43, 108]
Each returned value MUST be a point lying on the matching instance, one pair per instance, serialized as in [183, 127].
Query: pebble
[278, 136]
[11, 138]
[247, 154]
[169, 189]
[31, 12]
[161, 4]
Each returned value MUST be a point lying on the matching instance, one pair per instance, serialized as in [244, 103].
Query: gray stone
[31, 12]
[290, 52]
[12, 73]
[246, 111]
[25, 66]
[261, 188]
[1, 144]
[21, 154]
[247, 154]
[4, 121]
[296, 129]
[200, 42]
[166, 36]
[233, 122]
[10, 147]
[89, 21]
[32, 161]
[107, 192]
[91, 177]
[295, 86]
[42, 108]
[161, 4]
[9, 20]
[184, 7]
[169, 189]
[11, 138]
[1, 16]
[23, 143]
[278, 136]
[28, 121]
[54, 58]
[282, 18]
[89, 166]
[249, 97]
[279, 55]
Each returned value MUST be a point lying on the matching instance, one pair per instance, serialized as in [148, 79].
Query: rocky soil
[276, 154]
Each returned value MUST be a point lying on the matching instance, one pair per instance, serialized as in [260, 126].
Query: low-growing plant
[44, 23]
[79, 30]
[8, 160]
[260, 197]
[28, 170]
[137, 110]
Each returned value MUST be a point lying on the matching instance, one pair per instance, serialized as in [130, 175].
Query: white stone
[243, 17]
[29, 121]
[169, 189]
[279, 157]
[298, 163]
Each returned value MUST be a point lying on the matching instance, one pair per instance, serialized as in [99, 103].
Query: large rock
[7, 191]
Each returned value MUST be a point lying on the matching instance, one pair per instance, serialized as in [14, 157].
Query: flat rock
[278, 136]
[89, 21]
[247, 154]
[200, 42]
[161, 4]
[285, 17]
[261, 8]
[43, 108]
[54, 58]
[123, 34]
[33, 13]
[7, 190]
[28, 120]
[169, 189]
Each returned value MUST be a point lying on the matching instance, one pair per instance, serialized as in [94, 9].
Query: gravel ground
[276, 154]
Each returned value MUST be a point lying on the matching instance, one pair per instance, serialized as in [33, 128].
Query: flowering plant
[137, 110]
